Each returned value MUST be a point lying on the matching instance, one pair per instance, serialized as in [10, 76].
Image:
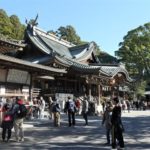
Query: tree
[139, 88]
[106, 58]
[11, 26]
[5, 24]
[68, 33]
[17, 27]
[134, 51]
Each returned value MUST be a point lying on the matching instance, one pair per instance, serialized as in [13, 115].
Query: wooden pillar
[89, 91]
[30, 86]
[112, 92]
[99, 93]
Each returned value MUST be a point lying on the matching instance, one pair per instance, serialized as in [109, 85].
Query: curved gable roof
[71, 56]
[48, 43]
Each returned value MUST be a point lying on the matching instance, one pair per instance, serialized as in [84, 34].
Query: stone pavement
[40, 134]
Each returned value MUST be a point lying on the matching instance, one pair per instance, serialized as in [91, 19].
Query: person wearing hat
[117, 126]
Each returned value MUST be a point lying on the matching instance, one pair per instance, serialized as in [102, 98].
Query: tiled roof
[48, 43]
[114, 70]
[71, 56]
[21, 63]
[9, 45]
[87, 54]
[83, 68]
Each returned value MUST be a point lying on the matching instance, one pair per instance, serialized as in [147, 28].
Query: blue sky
[104, 21]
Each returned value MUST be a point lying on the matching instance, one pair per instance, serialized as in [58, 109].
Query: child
[7, 123]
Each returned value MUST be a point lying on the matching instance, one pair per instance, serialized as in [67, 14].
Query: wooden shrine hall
[44, 64]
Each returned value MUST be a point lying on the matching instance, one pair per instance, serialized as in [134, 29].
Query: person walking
[85, 108]
[7, 123]
[50, 107]
[41, 108]
[56, 112]
[117, 126]
[107, 121]
[78, 105]
[70, 108]
[19, 112]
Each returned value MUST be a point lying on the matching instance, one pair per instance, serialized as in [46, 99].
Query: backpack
[22, 111]
[56, 108]
[7, 118]
[71, 106]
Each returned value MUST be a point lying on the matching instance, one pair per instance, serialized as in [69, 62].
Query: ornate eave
[9, 45]
[28, 66]
[116, 71]
[87, 54]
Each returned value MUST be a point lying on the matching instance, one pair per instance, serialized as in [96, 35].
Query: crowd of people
[12, 115]
[111, 117]
[16, 110]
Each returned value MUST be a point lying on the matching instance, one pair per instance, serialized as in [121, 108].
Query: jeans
[71, 118]
[108, 135]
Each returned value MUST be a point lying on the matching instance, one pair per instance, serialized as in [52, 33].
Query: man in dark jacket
[117, 127]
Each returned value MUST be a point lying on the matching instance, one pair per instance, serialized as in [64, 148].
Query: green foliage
[17, 27]
[106, 58]
[134, 51]
[5, 24]
[68, 33]
[140, 88]
[11, 26]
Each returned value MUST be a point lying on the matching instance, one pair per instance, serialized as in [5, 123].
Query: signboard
[17, 76]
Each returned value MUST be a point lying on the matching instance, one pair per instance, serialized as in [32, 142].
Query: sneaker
[22, 140]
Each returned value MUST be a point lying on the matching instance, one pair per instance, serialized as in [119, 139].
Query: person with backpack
[19, 112]
[7, 123]
[56, 112]
[70, 108]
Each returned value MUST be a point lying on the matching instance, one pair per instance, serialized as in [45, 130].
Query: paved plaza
[41, 134]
